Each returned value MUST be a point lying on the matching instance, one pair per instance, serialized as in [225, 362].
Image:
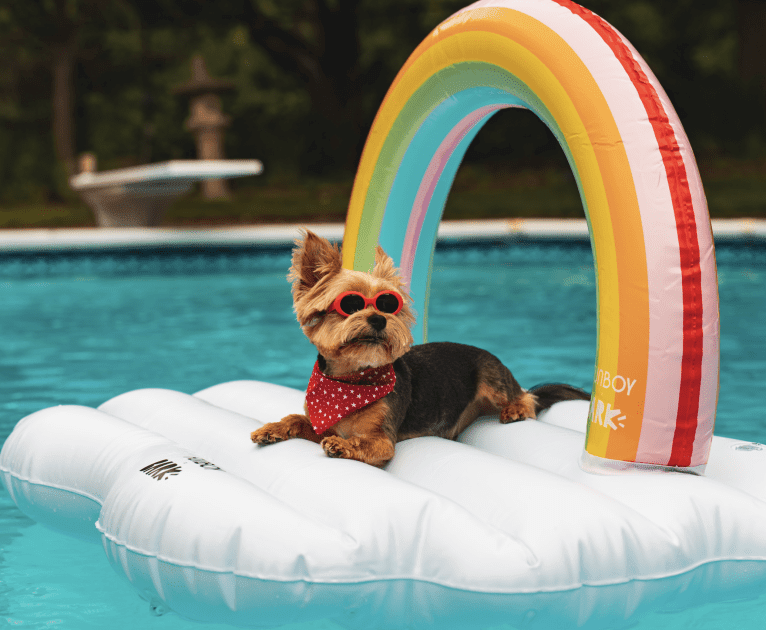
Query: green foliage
[130, 55]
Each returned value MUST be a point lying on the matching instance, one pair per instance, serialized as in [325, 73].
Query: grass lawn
[733, 189]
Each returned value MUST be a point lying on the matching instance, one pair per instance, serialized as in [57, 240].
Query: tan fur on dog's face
[347, 343]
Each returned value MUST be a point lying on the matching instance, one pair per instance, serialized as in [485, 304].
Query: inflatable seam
[47, 484]
[392, 578]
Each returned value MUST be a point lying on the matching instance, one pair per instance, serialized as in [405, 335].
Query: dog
[370, 387]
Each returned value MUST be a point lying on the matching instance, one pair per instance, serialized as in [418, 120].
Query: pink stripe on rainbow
[427, 186]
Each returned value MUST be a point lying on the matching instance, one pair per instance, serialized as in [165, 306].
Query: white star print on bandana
[330, 399]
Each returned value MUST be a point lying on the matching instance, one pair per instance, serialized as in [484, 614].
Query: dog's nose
[378, 322]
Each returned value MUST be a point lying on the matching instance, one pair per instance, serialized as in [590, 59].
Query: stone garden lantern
[206, 120]
[138, 196]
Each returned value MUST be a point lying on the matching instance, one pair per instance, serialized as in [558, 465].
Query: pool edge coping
[32, 240]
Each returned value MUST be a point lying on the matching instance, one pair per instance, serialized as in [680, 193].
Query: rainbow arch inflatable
[656, 376]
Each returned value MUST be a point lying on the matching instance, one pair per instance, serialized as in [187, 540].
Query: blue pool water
[82, 329]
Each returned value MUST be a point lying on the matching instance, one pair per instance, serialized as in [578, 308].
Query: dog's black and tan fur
[441, 388]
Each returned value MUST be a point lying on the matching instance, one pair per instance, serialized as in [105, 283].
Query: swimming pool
[82, 329]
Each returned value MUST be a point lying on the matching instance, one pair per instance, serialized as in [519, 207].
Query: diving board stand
[139, 196]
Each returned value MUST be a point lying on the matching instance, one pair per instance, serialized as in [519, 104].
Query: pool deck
[84, 239]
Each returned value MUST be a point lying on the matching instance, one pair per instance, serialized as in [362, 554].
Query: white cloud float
[501, 527]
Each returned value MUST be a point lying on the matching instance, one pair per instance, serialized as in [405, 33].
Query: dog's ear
[384, 266]
[314, 259]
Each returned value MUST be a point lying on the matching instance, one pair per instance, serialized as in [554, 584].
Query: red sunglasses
[350, 302]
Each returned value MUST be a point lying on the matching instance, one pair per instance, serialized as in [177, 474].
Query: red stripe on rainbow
[691, 366]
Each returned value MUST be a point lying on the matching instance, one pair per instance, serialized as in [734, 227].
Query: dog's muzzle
[377, 322]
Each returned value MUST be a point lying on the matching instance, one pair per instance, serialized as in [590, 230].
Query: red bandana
[330, 399]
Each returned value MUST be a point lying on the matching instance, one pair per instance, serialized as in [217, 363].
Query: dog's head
[368, 337]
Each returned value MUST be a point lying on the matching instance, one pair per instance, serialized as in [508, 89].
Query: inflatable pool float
[502, 527]
[512, 523]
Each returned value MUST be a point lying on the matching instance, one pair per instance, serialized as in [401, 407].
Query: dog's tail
[551, 393]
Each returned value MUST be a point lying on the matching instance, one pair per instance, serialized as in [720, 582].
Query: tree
[322, 48]
[751, 25]
[54, 28]
[320, 44]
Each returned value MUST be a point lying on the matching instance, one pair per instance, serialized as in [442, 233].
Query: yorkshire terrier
[370, 387]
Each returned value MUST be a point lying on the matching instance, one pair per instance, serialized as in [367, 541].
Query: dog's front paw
[293, 426]
[335, 446]
[269, 434]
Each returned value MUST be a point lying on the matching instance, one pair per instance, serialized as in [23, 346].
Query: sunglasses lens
[351, 304]
[387, 303]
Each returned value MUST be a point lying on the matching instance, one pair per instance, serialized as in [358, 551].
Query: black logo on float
[164, 469]
[203, 463]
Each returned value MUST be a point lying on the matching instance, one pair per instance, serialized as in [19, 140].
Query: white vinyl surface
[502, 526]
